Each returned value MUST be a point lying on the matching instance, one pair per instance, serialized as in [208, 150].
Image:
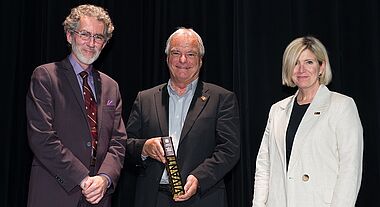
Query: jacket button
[305, 177]
[88, 144]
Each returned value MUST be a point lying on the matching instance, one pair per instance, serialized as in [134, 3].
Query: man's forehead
[184, 42]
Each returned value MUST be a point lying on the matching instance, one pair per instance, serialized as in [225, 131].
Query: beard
[81, 57]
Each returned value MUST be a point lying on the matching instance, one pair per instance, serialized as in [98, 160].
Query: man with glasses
[75, 128]
[201, 118]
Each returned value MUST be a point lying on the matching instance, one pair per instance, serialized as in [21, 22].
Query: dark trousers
[164, 197]
[83, 203]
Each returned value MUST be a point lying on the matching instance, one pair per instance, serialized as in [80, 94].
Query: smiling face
[184, 59]
[306, 71]
[86, 51]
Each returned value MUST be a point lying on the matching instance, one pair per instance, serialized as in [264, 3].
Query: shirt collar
[77, 67]
[189, 88]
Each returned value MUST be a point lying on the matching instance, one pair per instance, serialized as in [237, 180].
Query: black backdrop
[244, 42]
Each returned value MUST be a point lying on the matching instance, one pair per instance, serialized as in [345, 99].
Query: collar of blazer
[73, 81]
[321, 100]
[69, 74]
[65, 64]
[198, 102]
[316, 109]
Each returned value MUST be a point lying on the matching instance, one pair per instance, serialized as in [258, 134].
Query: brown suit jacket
[59, 135]
[209, 144]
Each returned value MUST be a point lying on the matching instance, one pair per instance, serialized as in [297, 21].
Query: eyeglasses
[86, 36]
[188, 55]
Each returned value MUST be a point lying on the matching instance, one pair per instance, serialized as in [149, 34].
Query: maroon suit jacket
[59, 135]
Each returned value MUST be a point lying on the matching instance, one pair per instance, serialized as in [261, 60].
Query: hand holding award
[172, 167]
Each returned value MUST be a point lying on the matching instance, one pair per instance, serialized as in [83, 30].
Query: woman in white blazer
[312, 148]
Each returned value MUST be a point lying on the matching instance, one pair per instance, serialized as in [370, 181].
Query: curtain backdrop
[244, 41]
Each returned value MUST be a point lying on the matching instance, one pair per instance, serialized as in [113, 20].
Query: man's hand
[94, 188]
[190, 187]
[85, 183]
[153, 149]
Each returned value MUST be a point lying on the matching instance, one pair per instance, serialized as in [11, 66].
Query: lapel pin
[203, 98]
[317, 113]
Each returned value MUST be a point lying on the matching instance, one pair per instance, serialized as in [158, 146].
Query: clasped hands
[94, 188]
[153, 148]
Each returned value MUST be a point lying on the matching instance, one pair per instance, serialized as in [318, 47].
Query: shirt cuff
[108, 179]
[143, 157]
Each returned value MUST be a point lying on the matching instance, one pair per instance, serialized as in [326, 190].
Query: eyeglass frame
[188, 55]
[86, 36]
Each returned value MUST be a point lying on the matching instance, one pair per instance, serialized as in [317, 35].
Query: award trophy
[172, 167]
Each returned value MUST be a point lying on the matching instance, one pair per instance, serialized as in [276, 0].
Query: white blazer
[325, 166]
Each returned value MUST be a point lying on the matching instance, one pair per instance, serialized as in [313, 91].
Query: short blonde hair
[293, 52]
[71, 22]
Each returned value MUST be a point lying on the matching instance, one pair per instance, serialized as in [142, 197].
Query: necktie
[90, 105]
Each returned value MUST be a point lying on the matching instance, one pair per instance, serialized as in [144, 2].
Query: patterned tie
[90, 105]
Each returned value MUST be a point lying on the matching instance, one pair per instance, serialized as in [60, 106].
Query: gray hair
[188, 31]
[71, 22]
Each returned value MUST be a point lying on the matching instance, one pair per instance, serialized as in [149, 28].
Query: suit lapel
[73, 81]
[161, 101]
[282, 125]
[316, 109]
[198, 102]
[98, 94]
